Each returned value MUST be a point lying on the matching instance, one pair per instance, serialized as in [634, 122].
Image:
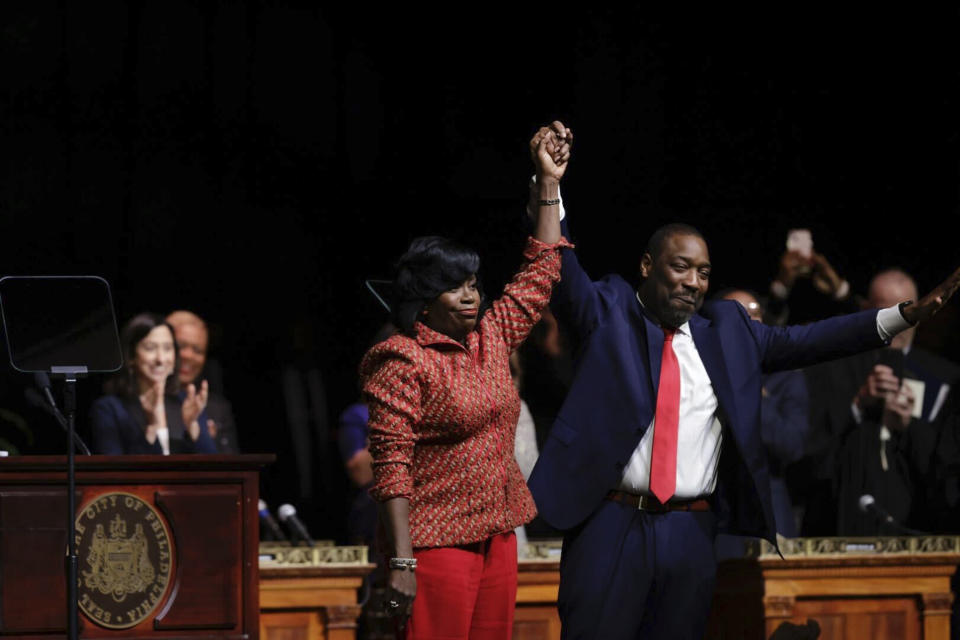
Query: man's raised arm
[575, 297]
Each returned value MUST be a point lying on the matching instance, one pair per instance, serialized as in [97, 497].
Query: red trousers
[466, 592]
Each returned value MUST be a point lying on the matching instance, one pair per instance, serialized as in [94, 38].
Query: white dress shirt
[163, 435]
[699, 434]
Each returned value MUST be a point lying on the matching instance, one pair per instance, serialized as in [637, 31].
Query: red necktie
[663, 465]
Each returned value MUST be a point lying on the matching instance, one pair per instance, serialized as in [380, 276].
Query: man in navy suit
[638, 558]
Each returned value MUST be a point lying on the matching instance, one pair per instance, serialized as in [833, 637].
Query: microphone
[271, 526]
[42, 380]
[288, 515]
[868, 504]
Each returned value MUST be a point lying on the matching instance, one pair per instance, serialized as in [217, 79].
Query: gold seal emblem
[125, 560]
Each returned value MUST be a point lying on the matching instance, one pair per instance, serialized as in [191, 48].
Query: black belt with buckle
[650, 503]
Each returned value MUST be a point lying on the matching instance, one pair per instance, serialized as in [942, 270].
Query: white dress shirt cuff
[533, 184]
[890, 322]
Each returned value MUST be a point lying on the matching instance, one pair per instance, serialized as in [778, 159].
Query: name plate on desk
[854, 546]
[273, 555]
[541, 551]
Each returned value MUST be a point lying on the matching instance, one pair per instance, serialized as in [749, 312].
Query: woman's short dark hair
[136, 329]
[430, 266]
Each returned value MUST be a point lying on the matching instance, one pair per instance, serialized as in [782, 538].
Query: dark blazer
[611, 401]
[117, 424]
[220, 411]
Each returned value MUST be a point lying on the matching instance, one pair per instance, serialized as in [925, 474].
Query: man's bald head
[183, 316]
[891, 287]
[193, 338]
[747, 299]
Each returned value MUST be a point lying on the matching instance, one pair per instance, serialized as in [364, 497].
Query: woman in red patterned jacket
[443, 413]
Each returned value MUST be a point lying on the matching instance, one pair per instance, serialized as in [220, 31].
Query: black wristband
[548, 203]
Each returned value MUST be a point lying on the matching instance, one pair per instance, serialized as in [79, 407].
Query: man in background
[193, 339]
[784, 421]
[872, 427]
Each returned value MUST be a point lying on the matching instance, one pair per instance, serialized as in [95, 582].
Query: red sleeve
[391, 389]
[515, 313]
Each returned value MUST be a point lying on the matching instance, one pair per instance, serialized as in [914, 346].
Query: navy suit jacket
[611, 401]
[118, 424]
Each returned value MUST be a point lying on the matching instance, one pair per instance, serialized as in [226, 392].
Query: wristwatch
[901, 307]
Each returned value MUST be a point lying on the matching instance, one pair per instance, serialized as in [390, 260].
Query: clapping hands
[193, 406]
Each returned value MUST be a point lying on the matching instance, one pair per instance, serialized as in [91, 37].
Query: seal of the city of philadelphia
[125, 559]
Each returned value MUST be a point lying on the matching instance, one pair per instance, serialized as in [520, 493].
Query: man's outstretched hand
[933, 301]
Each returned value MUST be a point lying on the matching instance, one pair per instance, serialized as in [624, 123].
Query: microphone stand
[70, 375]
[42, 339]
[51, 408]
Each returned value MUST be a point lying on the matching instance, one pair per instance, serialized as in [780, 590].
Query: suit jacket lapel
[708, 344]
[651, 338]
[654, 352]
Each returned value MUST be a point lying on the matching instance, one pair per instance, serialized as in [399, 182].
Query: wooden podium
[167, 546]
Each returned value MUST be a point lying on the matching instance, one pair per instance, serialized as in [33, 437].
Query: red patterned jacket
[443, 417]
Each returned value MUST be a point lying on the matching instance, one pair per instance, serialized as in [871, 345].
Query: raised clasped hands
[550, 151]
[931, 303]
[193, 406]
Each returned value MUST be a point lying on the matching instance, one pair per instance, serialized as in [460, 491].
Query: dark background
[255, 162]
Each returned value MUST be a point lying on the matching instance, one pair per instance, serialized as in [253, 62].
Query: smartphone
[801, 241]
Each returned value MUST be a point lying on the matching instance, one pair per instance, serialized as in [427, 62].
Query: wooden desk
[877, 588]
[538, 581]
[883, 588]
[536, 618]
[312, 594]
